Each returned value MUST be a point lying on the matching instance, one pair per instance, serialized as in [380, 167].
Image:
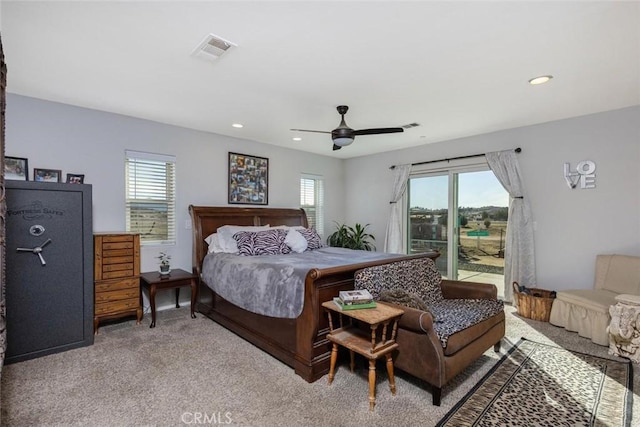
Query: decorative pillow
[267, 242]
[226, 232]
[314, 241]
[296, 241]
[214, 243]
[418, 276]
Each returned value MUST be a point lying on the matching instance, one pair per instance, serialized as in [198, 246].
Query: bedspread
[273, 285]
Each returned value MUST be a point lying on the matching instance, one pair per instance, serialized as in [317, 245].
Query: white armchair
[586, 311]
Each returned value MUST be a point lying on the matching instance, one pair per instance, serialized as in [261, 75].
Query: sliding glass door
[462, 213]
[429, 216]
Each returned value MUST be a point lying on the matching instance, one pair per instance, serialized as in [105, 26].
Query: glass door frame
[453, 228]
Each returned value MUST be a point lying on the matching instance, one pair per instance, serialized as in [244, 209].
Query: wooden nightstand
[372, 346]
[175, 279]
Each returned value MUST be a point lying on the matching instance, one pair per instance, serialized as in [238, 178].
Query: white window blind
[150, 196]
[312, 200]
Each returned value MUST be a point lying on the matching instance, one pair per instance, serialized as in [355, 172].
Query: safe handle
[37, 250]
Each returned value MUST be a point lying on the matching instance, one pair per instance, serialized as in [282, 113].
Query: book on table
[342, 306]
[361, 296]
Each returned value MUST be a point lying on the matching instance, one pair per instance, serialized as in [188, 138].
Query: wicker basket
[535, 306]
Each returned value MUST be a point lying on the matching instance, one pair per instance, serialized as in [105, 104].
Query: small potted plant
[165, 265]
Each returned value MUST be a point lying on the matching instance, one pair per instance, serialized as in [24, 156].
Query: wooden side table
[372, 346]
[175, 279]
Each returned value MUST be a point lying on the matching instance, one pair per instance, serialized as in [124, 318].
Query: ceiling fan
[343, 135]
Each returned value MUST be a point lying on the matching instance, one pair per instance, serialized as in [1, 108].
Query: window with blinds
[150, 196]
[312, 200]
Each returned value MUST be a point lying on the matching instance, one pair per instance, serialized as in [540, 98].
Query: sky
[476, 189]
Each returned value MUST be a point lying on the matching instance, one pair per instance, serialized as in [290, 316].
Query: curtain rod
[517, 150]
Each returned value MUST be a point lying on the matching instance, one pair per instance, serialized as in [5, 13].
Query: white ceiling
[457, 68]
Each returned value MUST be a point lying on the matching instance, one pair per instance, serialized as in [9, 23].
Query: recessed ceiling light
[237, 125]
[540, 79]
[297, 138]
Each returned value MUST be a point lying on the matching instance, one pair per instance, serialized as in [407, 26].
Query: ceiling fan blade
[336, 147]
[377, 131]
[309, 130]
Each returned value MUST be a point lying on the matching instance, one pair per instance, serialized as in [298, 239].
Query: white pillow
[226, 232]
[214, 243]
[296, 241]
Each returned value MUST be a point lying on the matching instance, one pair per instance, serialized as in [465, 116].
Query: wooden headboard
[206, 220]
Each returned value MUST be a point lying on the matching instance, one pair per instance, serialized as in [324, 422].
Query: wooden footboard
[300, 343]
[275, 336]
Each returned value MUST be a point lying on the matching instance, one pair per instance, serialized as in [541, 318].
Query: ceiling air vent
[213, 47]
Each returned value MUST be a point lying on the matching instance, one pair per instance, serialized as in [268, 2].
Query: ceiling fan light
[343, 141]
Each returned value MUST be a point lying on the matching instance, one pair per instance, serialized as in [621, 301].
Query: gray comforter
[273, 285]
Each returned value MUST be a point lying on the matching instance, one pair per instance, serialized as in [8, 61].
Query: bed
[299, 342]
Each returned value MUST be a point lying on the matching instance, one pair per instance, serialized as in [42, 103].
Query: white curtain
[393, 238]
[519, 264]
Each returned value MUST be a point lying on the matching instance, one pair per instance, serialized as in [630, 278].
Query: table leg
[334, 358]
[194, 293]
[152, 301]
[177, 297]
[140, 311]
[372, 384]
[353, 364]
[392, 380]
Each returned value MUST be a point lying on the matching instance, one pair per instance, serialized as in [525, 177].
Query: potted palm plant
[349, 237]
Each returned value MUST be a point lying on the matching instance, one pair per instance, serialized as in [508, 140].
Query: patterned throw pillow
[267, 242]
[418, 276]
[314, 241]
[226, 232]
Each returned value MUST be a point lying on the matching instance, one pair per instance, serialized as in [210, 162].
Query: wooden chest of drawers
[116, 277]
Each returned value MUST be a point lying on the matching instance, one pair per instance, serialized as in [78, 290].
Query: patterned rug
[543, 385]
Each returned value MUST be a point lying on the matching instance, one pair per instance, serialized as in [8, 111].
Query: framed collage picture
[248, 179]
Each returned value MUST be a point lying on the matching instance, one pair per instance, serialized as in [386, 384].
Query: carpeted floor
[193, 371]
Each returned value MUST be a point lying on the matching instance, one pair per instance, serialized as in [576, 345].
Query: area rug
[539, 384]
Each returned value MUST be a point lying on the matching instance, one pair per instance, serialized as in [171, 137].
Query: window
[150, 197]
[312, 200]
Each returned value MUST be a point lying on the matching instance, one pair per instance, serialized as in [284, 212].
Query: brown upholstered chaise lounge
[469, 319]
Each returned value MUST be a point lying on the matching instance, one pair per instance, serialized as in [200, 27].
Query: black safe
[49, 268]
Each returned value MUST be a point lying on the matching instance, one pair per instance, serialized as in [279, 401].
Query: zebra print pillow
[313, 238]
[267, 242]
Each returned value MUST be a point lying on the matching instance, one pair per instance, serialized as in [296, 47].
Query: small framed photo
[74, 178]
[248, 179]
[46, 175]
[16, 168]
